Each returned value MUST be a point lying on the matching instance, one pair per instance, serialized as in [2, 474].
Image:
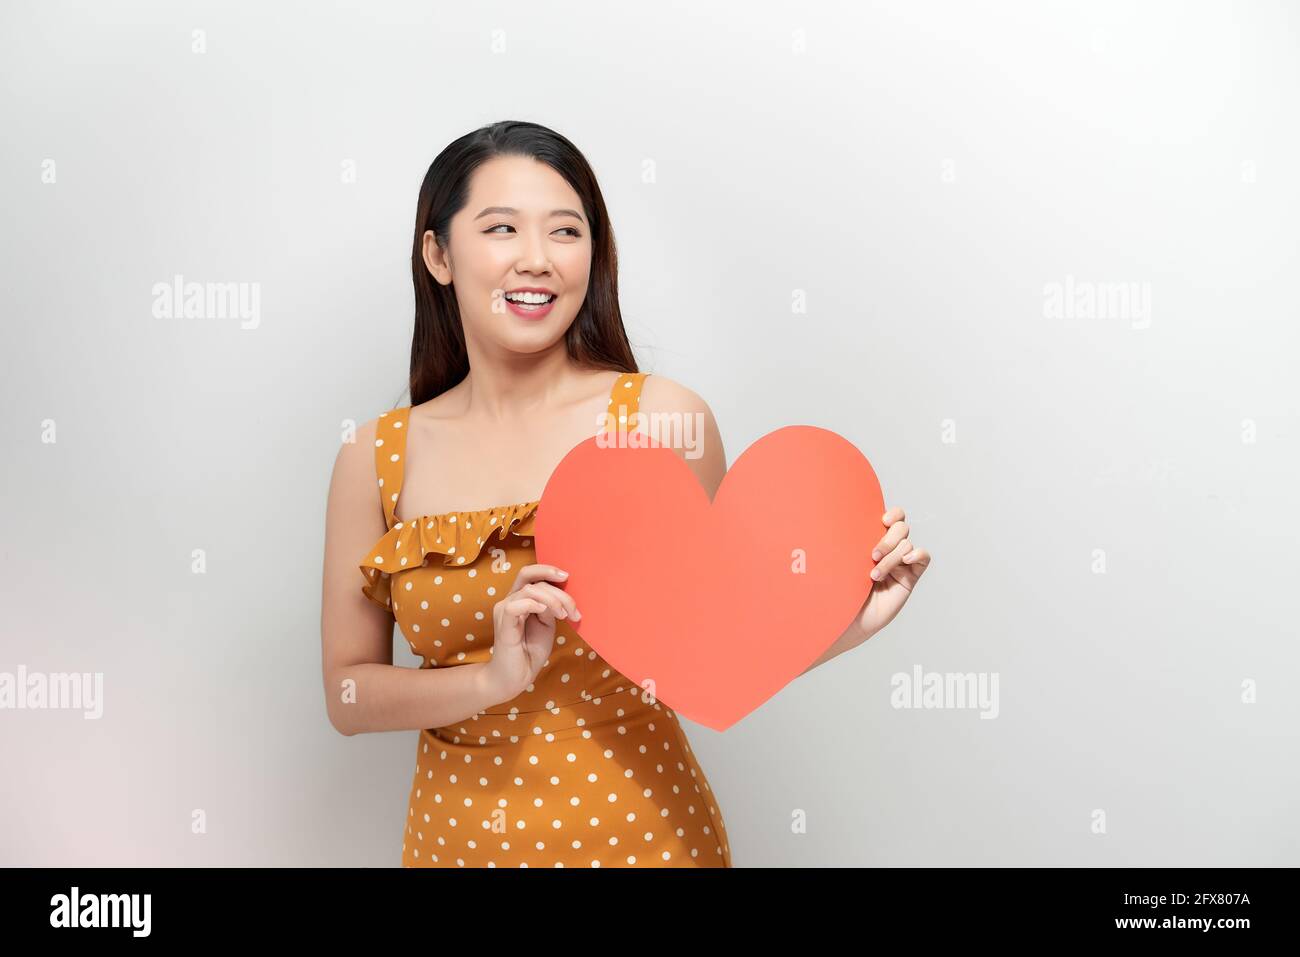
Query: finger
[521, 606]
[535, 573]
[559, 602]
[890, 540]
[563, 604]
[917, 556]
[889, 561]
[514, 612]
[525, 606]
[895, 514]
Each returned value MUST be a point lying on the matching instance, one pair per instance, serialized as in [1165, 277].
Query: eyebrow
[511, 211]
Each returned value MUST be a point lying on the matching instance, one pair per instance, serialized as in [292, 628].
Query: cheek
[574, 265]
[490, 264]
[478, 276]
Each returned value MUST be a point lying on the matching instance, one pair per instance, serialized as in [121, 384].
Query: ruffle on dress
[456, 537]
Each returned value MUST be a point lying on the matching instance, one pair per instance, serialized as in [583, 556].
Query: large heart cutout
[713, 607]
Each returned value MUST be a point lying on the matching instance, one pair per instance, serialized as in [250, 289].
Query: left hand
[897, 571]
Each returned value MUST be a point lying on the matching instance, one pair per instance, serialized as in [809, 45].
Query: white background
[918, 172]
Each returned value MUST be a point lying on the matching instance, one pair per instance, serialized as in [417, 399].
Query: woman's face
[523, 228]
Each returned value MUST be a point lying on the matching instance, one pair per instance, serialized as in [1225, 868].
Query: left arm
[893, 579]
[852, 637]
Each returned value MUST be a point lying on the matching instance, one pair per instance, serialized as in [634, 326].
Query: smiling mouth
[531, 304]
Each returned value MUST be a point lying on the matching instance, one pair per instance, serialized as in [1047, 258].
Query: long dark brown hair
[596, 338]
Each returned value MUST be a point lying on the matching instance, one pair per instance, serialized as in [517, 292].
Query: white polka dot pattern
[577, 771]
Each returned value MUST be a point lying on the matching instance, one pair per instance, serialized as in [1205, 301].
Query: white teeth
[533, 298]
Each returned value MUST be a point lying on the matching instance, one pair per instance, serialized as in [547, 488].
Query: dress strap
[624, 401]
[390, 458]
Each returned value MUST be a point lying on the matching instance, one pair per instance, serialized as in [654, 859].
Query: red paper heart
[704, 603]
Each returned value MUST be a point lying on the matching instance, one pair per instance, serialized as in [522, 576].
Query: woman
[532, 751]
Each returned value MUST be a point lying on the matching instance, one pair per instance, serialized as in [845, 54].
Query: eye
[572, 229]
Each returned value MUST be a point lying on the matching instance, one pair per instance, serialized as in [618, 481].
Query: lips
[527, 310]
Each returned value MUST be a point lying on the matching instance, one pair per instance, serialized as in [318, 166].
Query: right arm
[364, 690]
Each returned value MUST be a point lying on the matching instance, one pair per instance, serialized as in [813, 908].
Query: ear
[435, 258]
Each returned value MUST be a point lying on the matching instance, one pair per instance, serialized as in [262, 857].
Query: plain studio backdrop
[1038, 262]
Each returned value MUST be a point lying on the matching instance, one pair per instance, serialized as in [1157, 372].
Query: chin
[532, 341]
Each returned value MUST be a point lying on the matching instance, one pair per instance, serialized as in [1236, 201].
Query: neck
[507, 388]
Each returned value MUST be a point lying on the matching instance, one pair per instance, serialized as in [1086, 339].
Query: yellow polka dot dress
[577, 771]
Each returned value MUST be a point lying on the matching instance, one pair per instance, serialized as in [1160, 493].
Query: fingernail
[875, 574]
[562, 573]
[875, 556]
[576, 614]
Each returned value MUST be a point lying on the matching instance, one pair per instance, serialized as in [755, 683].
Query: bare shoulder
[667, 395]
[662, 394]
[353, 479]
[354, 510]
[677, 416]
[358, 445]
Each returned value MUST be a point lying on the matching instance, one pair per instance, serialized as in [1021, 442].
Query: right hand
[524, 630]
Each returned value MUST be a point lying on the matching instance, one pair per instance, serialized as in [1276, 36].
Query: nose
[533, 257]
